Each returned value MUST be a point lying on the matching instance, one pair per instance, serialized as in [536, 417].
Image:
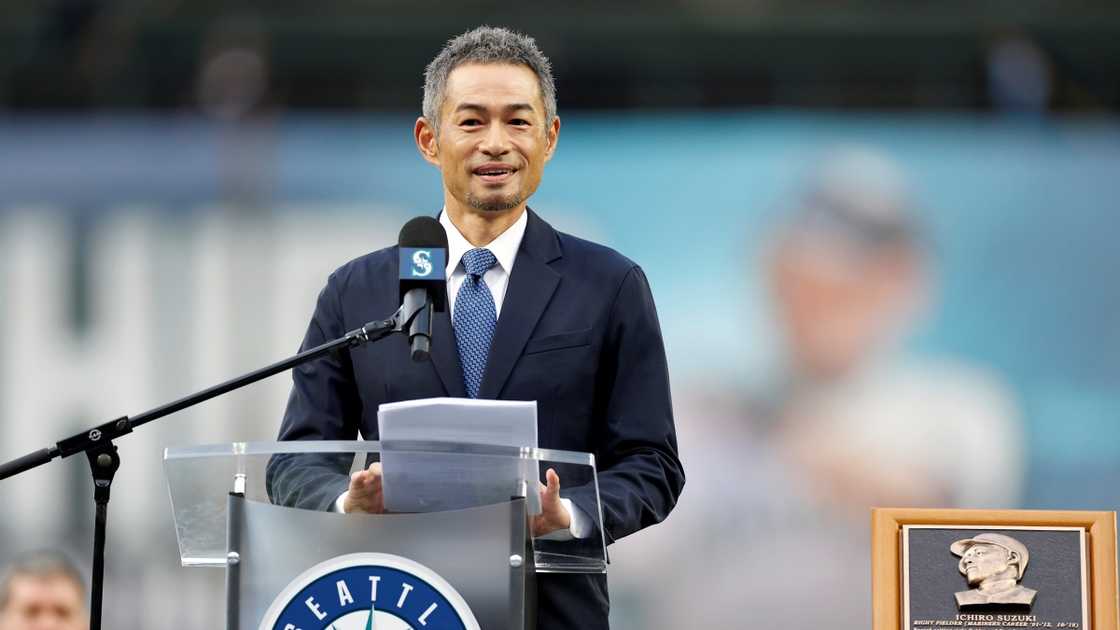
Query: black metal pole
[235, 503]
[370, 332]
[103, 463]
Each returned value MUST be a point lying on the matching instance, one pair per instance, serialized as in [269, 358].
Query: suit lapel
[445, 355]
[530, 289]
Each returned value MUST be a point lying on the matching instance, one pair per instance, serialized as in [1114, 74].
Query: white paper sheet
[431, 482]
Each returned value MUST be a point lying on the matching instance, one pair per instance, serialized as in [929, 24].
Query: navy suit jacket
[578, 333]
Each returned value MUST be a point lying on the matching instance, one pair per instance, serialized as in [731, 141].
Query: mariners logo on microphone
[369, 591]
[423, 264]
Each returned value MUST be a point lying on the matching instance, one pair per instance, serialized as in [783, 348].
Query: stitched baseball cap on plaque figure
[993, 569]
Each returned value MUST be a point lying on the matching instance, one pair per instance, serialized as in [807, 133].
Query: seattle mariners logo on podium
[369, 591]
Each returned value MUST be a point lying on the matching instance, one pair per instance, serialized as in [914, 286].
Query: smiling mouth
[494, 173]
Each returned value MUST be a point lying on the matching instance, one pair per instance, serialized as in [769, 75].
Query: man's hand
[364, 494]
[553, 515]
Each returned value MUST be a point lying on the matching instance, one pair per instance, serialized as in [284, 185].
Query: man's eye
[519, 122]
[471, 122]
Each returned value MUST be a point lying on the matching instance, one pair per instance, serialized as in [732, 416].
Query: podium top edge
[350, 447]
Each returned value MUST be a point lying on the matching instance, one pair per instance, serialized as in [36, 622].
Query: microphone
[423, 280]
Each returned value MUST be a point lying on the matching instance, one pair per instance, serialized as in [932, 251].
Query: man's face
[983, 561]
[493, 140]
[50, 603]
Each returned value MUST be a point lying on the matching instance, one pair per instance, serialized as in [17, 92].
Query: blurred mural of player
[849, 276]
[782, 480]
[42, 591]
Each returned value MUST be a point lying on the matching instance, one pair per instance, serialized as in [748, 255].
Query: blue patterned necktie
[475, 318]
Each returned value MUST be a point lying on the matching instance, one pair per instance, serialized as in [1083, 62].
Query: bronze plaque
[978, 577]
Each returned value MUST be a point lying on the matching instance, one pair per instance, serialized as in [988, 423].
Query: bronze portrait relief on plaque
[971, 576]
[993, 564]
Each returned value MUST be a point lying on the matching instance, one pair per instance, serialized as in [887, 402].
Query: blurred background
[891, 278]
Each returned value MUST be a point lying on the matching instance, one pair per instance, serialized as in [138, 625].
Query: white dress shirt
[496, 278]
[504, 248]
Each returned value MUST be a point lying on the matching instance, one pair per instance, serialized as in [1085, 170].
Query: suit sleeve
[323, 405]
[640, 473]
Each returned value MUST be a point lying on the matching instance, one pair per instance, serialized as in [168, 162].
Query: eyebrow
[509, 108]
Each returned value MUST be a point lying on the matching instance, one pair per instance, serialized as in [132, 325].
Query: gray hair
[487, 44]
[40, 564]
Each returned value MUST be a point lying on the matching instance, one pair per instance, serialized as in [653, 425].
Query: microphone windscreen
[423, 232]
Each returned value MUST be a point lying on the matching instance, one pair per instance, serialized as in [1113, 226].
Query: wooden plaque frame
[886, 554]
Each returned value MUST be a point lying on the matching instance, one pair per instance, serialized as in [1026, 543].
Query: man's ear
[552, 136]
[426, 141]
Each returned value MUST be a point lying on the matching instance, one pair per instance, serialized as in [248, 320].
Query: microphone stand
[104, 460]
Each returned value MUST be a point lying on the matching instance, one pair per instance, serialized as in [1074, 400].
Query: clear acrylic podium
[460, 510]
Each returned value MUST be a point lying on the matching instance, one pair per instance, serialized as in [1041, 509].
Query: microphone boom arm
[413, 318]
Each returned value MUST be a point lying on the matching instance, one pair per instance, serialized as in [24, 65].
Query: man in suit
[535, 314]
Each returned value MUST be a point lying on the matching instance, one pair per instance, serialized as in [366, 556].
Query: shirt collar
[504, 247]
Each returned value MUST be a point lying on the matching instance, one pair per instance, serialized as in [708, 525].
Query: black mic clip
[413, 318]
[415, 313]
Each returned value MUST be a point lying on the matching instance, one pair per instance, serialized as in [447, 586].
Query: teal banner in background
[1018, 217]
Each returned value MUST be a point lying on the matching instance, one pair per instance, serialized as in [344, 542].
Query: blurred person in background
[233, 91]
[42, 591]
[1020, 76]
[779, 518]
